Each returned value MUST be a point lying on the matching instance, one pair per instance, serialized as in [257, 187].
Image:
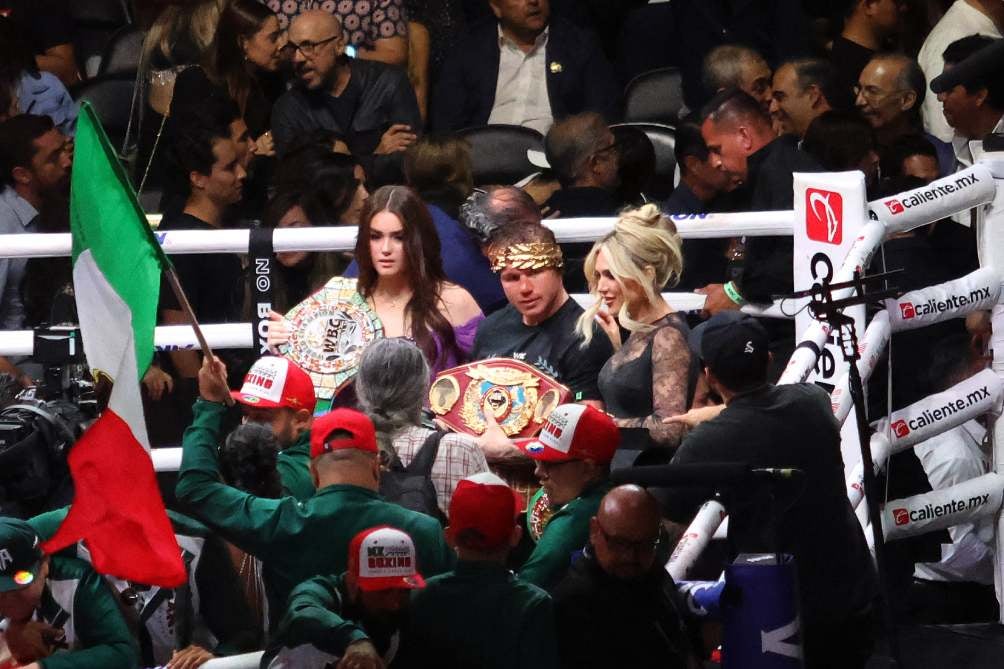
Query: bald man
[617, 606]
[368, 104]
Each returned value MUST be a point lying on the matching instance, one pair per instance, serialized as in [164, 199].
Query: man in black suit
[524, 68]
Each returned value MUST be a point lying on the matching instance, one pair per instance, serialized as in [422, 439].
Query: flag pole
[179, 293]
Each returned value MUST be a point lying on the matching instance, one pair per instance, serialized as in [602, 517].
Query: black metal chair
[111, 98]
[647, 41]
[654, 97]
[663, 138]
[94, 23]
[122, 53]
[498, 153]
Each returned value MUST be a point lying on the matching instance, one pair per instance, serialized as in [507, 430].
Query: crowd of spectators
[290, 511]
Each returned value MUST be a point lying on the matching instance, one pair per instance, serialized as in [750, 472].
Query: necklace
[392, 301]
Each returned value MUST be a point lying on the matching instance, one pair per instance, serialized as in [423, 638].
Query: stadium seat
[111, 98]
[663, 138]
[122, 53]
[94, 23]
[498, 153]
[654, 97]
[647, 41]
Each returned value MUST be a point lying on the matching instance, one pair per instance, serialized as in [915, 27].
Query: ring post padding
[695, 539]
[940, 509]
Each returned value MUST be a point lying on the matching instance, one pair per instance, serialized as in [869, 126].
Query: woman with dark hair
[245, 50]
[334, 196]
[438, 168]
[401, 276]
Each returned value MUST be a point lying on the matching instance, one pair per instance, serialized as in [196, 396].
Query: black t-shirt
[213, 282]
[553, 347]
[789, 426]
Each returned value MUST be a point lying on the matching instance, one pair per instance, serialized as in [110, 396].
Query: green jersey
[294, 540]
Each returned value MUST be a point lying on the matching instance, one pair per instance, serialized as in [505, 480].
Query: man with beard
[369, 104]
[35, 163]
[617, 606]
[350, 620]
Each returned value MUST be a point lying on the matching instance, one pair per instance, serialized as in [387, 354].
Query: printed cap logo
[901, 516]
[907, 310]
[23, 577]
[895, 206]
[824, 216]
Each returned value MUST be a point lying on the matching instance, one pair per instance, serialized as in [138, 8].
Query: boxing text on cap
[362, 434]
[483, 511]
[575, 432]
[383, 558]
[274, 382]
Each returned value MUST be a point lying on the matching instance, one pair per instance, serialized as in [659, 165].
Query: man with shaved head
[370, 104]
[618, 606]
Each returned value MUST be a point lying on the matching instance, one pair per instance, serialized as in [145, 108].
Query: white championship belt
[328, 332]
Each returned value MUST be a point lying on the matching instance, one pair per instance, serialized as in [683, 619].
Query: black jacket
[769, 183]
[377, 97]
[605, 622]
[790, 426]
[579, 78]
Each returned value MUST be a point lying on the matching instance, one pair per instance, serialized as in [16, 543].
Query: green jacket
[566, 532]
[222, 622]
[78, 601]
[314, 616]
[481, 615]
[294, 540]
[293, 465]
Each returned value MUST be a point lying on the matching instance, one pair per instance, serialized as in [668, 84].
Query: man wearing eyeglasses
[889, 93]
[369, 104]
[617, 606]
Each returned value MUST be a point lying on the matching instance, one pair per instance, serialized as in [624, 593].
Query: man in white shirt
[965, 17]
[524, 68]
[960, 587]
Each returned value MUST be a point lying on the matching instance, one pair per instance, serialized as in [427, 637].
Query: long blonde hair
[198, 20]
[643, 247]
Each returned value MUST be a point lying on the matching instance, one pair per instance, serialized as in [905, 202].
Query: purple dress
[464, 334]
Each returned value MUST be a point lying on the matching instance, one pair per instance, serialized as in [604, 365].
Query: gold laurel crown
[530, 255]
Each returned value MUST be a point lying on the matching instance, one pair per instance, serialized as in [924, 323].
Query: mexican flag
[117, 509]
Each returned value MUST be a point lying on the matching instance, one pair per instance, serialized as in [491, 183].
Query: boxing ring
[983, 394]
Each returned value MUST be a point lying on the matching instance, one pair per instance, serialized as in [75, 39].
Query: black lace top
[651, 377]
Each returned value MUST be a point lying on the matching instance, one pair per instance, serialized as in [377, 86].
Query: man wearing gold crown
[538, 324]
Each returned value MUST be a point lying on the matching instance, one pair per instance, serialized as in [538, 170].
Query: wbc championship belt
[328, 332]
[519, 396]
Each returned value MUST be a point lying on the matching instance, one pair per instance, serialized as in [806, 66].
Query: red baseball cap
[575, 432]
[274, 382]
[484, 503]
[382, 558]
[357, 424]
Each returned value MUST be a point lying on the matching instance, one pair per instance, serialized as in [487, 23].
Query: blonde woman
[652, 373]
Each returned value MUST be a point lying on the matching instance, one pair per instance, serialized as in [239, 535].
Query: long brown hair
[225, 62]
[425, 267]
